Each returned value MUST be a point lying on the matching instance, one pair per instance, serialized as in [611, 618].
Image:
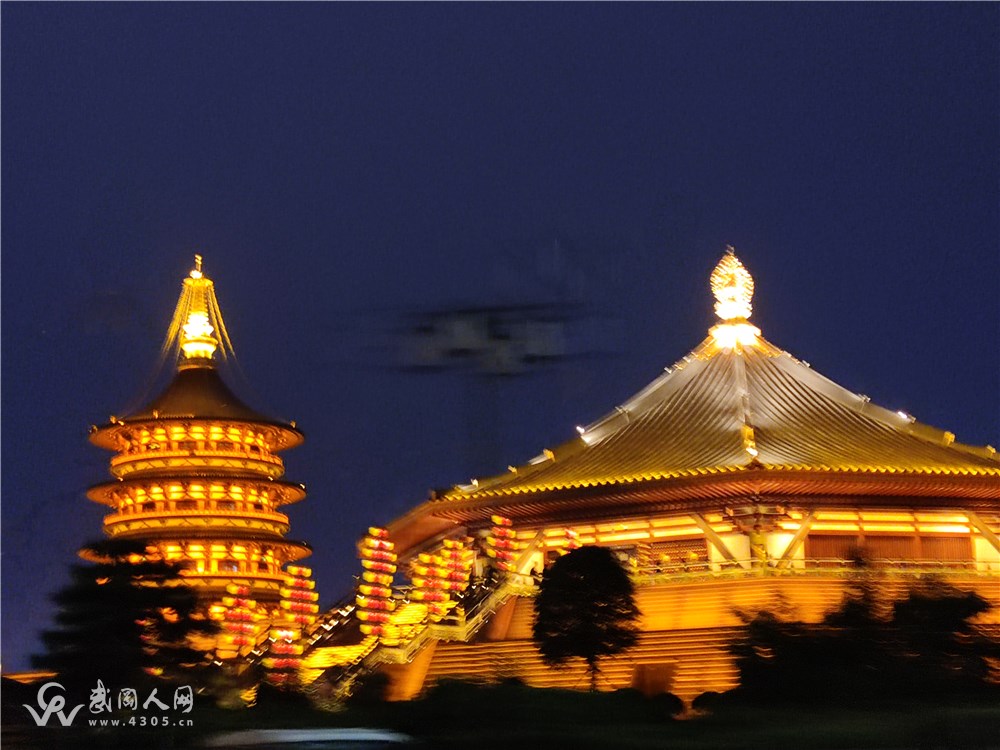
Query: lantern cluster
[374, 597]
[239, 617]
[440, 578]
[501, 544]
[297, 613]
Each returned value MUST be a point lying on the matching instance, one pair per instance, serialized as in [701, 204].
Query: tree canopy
[124, 619]
[585, 608]
[870, 650]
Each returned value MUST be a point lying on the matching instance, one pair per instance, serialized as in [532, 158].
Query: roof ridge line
[898, 421]
[746, 419]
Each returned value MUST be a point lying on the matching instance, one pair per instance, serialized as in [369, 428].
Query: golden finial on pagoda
[732, 286]
[196, 339]
[197, 330]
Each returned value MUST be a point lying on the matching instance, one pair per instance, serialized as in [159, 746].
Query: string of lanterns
[374, 597]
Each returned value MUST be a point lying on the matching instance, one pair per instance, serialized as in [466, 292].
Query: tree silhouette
[126, 620]
[585, 608]
[937, 640]
[869, 650]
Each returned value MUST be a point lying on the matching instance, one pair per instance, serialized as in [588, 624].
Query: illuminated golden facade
[197, 472]
[737, 479]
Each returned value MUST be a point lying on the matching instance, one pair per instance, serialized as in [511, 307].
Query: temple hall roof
[737, 403]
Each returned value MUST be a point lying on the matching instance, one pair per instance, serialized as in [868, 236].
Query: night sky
[344, 167]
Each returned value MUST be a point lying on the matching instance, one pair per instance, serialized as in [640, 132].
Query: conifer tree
[125, 619]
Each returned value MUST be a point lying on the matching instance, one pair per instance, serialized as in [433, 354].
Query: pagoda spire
[732, 287]
[197, 330]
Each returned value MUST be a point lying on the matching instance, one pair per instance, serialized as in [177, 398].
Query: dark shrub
[708, 701]
[668, 704]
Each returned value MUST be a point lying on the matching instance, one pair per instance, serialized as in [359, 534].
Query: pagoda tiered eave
[114, 435]
[284, 492]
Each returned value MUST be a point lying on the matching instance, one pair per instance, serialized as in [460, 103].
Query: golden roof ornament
[732, 286]
[197, 331]
[196, 339]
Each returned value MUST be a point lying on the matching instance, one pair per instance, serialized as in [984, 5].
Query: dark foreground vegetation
[874, 673]
[510, 715]
[871, 651]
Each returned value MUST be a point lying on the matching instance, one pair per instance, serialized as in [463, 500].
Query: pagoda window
[225, 505]
[187, 505]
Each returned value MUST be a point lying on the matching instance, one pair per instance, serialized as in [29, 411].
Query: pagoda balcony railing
[127, 464]
[222, 508]
[275, 524]
[270, 582]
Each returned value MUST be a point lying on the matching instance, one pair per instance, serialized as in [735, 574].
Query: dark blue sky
[342, 165]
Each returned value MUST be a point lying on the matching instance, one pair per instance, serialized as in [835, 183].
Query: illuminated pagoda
[197, 472]
[739, 478]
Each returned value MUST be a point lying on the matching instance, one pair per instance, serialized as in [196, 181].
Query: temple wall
[737, 544]
[713, 604]
[778, 542]
[987, 556]
[406, 680]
